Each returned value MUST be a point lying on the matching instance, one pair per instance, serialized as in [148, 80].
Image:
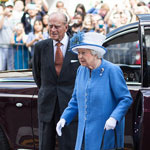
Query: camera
[101, 25]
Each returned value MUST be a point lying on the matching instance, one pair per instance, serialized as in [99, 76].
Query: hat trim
[82, 44]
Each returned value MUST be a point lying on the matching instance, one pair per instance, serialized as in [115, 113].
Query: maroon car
[18, 111]
[128, 47]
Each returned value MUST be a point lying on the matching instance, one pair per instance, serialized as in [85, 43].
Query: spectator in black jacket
[30, 15]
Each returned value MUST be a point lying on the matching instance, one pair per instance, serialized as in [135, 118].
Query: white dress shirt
[63, 47]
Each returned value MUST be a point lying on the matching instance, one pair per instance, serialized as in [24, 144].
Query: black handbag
[115, 144]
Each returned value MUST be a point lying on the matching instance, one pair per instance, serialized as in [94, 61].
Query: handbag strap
[102, 143]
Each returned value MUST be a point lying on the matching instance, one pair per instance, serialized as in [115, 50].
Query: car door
[16, 112]
[129, 48]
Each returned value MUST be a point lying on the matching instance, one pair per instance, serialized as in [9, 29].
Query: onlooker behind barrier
[76, 22]
[21, 53]
[45, 23]
[6, 28]
[1, 9]
[18, 10]
[29, 16]
[42, 6]
[119, 15]
[60, 6]
[95, 19]
[88, 23]
[95, 8]
[36, 35]
[140, 9]
[101, 27]
[102, 11]
[80, 8]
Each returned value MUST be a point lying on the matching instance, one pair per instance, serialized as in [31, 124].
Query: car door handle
[19, 105]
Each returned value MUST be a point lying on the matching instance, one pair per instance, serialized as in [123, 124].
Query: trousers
[48, 139]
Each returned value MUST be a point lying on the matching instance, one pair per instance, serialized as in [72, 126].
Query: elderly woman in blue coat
[100, 98]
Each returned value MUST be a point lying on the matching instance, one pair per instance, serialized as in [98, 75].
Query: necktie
[58, 58]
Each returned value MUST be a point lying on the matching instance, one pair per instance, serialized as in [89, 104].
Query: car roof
[123, 34]
[129, 32]
[18, 75]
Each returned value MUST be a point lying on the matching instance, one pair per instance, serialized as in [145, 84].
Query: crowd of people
[22, 24]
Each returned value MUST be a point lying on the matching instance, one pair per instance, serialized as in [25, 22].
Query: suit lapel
[50, 55]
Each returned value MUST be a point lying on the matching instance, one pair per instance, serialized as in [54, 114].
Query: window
[127, 56]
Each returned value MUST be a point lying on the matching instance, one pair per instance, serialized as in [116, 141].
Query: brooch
[101, 72]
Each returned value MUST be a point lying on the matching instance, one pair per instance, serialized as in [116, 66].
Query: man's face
[57, 27]
[9, 10]
[32, 12]
[60, 5]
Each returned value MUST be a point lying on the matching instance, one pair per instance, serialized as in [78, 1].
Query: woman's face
[19, 28]
[79, 10]
[19, 6]
[79, 19]
[38, 26]
[45, 19]
[86, 58]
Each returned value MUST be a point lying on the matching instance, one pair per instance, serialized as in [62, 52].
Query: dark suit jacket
[50, 86]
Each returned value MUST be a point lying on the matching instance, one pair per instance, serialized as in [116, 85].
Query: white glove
[110, 123]
[60, 125]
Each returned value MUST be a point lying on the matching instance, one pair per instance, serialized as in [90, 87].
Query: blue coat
[95, 99]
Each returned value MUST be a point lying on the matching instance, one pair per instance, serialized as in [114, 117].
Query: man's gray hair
[59, 13]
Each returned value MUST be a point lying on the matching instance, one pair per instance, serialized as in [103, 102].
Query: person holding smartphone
[100, 27]
[6, 29]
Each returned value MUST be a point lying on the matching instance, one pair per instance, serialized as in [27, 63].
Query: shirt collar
[63, 41]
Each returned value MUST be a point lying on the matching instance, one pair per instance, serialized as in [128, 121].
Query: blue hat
[88, 40]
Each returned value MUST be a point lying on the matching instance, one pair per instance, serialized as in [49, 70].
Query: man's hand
[60, 125]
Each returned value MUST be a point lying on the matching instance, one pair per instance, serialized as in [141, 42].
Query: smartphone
[101, 25]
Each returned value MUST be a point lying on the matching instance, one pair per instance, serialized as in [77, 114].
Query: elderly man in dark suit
[54, 71]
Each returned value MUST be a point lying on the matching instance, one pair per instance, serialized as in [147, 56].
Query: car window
[124, 53]
[127, 56]
[147, 37]
[147, 43]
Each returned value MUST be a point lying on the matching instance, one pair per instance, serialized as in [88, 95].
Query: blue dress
[97, 97]
[21, 55]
